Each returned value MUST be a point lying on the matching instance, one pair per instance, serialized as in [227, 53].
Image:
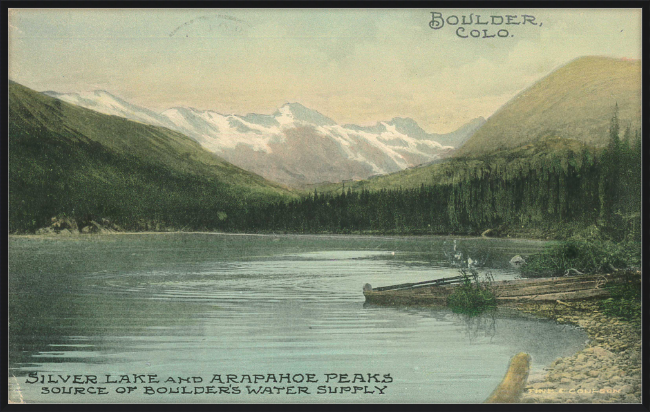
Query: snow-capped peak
[295, 144]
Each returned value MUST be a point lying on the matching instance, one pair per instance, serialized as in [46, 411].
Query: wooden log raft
[435, 293]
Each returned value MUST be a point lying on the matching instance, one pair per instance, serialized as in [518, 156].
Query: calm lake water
[199, 305]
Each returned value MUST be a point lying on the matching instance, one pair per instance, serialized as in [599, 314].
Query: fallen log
[513, 384]
[518, 290]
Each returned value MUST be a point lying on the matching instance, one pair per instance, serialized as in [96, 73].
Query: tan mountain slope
[575, 101]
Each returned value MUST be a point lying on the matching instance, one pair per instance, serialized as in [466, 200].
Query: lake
[197, 306]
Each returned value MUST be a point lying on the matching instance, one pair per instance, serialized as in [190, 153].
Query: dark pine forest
[71, 167]
[555, 189]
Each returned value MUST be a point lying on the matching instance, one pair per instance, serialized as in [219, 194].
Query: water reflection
[480, 327]
[181, 304]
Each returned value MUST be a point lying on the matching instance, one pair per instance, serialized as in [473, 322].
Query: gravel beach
[608, 370]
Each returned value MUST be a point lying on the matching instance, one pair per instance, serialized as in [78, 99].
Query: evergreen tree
[610, 176]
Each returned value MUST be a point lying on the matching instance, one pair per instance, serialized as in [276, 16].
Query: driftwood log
[513, 384]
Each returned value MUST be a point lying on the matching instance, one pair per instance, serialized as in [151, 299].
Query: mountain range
[296, 145]
[67, 160]
[565, 111]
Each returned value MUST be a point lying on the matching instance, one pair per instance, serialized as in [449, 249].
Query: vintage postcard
[324, 205]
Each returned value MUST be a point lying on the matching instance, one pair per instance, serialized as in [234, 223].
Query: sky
[353, 65]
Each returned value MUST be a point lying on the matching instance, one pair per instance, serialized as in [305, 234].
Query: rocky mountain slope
[295, 145]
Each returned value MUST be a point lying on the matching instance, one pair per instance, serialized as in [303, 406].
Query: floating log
[435, 292]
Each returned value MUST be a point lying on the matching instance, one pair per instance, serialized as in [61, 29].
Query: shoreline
[79, 235]
[607, 370]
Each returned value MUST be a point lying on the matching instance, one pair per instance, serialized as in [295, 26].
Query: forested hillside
[71, 162]
[553, 188]
[67, 161]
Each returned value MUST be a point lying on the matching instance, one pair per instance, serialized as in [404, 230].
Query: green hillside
[67, 160]
[448, 171]
[553, 188]
[569, 108]
[562, 159]
[575, 101]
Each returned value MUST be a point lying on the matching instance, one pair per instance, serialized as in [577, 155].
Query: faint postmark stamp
[211, 25]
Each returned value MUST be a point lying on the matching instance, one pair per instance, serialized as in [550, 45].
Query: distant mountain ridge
[575, 101]
[295, 145]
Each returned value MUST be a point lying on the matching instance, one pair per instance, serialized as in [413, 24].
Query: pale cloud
[355, 66]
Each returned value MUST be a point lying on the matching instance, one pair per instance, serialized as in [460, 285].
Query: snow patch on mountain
[295, 145]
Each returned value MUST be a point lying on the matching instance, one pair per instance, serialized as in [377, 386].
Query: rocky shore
[608, 370]
[65, 226]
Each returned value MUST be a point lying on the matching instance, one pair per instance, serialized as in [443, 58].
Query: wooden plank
[542, 289]
[419, 284]
[554, 280]
[449, 282]
[575, 295]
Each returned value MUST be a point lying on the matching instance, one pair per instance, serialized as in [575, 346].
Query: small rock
[517, 261]
[600, 351]
[631, 399]
[589, 382]
[542, 385]
[627, 389]
[579, 377]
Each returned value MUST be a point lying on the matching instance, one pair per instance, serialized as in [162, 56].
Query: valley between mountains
[295, 145]
[562, 157]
